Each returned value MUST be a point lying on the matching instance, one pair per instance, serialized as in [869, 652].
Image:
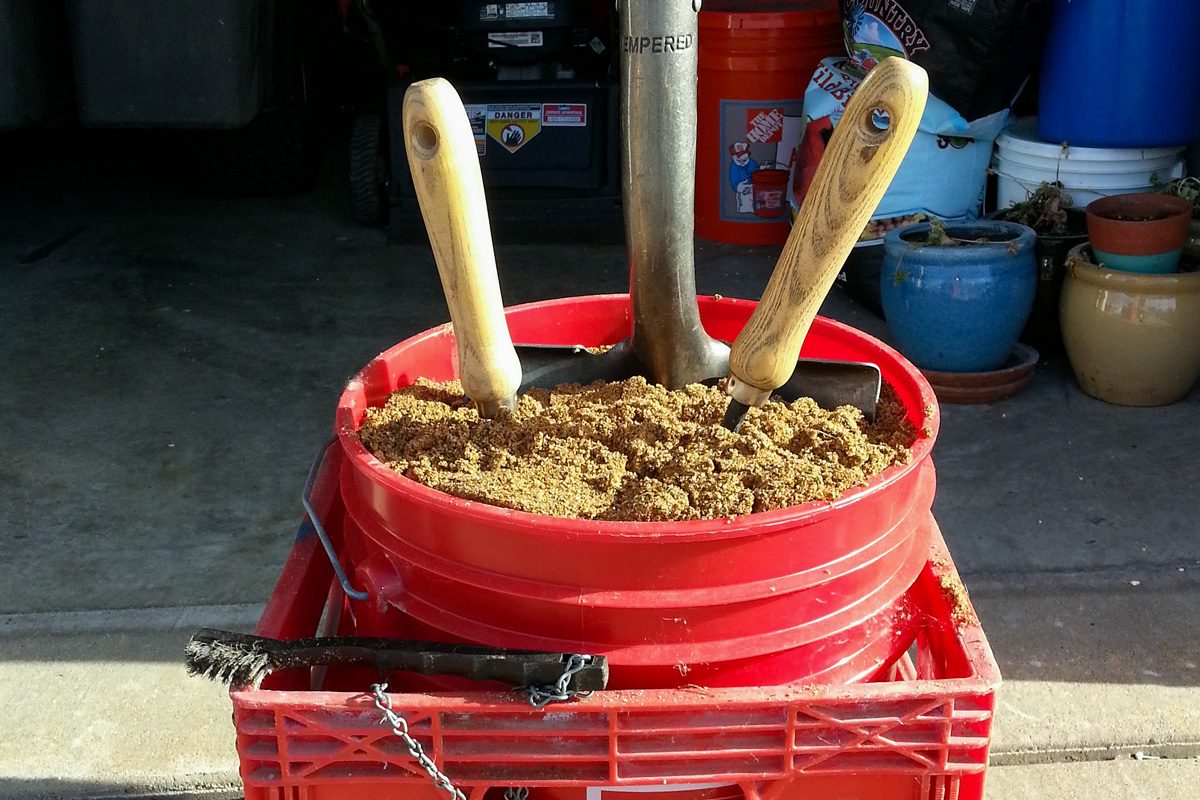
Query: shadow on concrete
[48, 789]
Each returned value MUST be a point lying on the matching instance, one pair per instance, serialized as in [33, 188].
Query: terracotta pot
[1139, 232]
[1132, 339]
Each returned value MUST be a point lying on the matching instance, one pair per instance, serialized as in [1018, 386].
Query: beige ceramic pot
[1132, 339]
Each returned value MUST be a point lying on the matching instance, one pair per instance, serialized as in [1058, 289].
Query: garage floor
[169, 364]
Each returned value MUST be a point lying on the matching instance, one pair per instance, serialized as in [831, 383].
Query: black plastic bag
[978, 53]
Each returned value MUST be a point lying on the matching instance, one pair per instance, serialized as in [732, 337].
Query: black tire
[368, 170]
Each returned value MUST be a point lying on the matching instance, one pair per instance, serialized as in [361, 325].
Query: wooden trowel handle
[851, 179]
[445, 171]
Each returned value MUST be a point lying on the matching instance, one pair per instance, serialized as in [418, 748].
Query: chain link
[540, 696]
[400, 728]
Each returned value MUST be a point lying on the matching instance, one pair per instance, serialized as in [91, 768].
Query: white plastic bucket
[1023, 161]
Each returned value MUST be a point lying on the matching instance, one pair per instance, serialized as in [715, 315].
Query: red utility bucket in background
[808, 592]
[769, 187]
[756, 58]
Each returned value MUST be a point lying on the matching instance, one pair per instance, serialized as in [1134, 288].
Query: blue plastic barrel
[1121, 73]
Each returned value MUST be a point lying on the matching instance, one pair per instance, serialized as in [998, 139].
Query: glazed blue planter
[959, 309]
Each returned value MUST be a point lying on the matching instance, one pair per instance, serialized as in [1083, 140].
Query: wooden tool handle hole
[879, 119]
[425, 139]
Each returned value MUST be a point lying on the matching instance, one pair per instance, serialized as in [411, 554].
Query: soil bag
[978, 53]
[943, 175]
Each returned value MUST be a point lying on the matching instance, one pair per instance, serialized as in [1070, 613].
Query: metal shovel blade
[829, 383]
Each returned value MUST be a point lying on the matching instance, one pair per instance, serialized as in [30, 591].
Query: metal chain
[400, 728]
[540, 696]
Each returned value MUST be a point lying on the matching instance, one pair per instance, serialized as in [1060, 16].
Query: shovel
[668, 344]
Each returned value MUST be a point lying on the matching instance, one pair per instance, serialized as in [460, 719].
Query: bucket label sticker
[564, 115]
[477, 114]
[512, 125]
[501, 39]
[758, 146]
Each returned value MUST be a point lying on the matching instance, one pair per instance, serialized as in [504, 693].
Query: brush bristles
[227, 663]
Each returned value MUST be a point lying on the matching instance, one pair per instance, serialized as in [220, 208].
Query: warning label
[493, 11]
[477, 114]
[564, 115]
[516, 39]
[513, 125]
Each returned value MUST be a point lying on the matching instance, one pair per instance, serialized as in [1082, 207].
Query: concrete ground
[169, 364]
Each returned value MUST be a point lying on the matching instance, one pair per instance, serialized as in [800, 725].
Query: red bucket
[794, 590]
[769, 187]
[755, 58]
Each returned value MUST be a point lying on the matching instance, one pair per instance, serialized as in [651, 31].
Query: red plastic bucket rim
[356, 452]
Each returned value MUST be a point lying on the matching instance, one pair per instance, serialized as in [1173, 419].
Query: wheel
[368, 170]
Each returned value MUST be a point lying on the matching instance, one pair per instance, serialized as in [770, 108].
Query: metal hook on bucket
[314, 520]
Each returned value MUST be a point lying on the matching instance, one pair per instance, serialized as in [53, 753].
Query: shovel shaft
[445, 171]
[658, 170]
[855, 171]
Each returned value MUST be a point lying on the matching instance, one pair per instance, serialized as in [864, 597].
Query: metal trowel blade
[830, 384]
[544, 366]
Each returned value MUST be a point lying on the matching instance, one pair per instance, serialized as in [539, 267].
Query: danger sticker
[514, 125]
[564, 115]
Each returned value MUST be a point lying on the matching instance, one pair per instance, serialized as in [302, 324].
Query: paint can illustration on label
[758, 141]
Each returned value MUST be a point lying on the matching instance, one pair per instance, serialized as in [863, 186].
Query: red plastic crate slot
[656, 722]
[875, 714]
[357, 769]
[257, 724]
[732, 739]
[349, 751]
[316, 722]
[549, 747]
[822, 738]
[263, 774]
[266, 750]
[912, 762]
[709, 770]
[523, 718]
[526, 774]
[963, 728]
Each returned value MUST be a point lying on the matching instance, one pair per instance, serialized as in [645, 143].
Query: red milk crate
[921, 734]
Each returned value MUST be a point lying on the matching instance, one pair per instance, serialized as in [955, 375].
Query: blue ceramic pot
[959, 309]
